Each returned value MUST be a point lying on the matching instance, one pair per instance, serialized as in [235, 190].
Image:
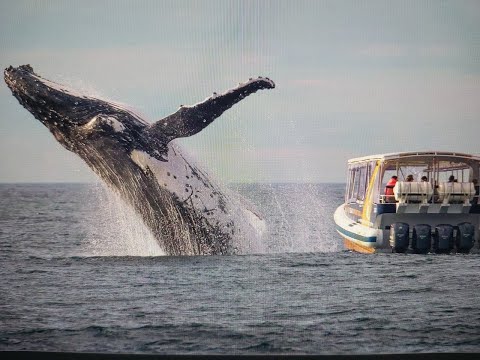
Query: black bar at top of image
[121, 356]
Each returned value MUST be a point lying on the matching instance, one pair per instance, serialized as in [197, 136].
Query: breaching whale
[188, 212]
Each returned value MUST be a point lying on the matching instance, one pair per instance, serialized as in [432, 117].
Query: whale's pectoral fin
[189, 120]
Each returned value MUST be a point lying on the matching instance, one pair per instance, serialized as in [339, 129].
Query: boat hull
[369, 240]
[356, 236]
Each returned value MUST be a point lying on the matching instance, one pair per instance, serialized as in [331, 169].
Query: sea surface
[79, 272]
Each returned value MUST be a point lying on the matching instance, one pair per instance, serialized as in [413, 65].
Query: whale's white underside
[181, 176]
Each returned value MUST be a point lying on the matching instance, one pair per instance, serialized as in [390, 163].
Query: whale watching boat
[415, 202]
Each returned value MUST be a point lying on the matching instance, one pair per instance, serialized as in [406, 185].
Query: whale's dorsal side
[189, 120]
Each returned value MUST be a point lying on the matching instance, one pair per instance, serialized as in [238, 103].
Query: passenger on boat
[389, 189]
[452, 179]
[424, 178]
[410, 178]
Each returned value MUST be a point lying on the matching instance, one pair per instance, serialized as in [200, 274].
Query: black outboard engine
[465, 238]
[421, 238]
[443, 239]
[399, 237]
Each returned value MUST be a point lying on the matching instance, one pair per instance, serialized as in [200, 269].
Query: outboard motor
[399, 237]
[421, 238]
[465, 238]
[443, 239]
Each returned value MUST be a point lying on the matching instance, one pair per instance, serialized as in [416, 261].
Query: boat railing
[424, 193]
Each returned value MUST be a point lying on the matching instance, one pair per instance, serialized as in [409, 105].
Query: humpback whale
[187, 211]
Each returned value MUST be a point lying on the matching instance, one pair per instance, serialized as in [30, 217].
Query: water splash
[298, 219]
[114, 229]
[299, 216]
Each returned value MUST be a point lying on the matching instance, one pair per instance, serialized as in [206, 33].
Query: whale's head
[70, 116]
[49, 102]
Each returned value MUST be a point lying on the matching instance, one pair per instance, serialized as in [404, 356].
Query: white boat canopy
[420, 156]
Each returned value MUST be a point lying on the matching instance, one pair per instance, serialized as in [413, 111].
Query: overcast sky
[353, 78]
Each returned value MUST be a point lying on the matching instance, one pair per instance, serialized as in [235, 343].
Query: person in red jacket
[389, 189]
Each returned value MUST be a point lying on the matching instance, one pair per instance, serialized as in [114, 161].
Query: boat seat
[413, 192]
[456, 192]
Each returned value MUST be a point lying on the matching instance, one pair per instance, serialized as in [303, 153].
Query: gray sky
[353, 78]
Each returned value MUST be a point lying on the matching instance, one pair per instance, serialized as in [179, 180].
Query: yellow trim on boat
[350, 245]
[368, 203]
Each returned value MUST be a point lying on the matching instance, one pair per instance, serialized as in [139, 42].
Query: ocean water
[79, 272]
